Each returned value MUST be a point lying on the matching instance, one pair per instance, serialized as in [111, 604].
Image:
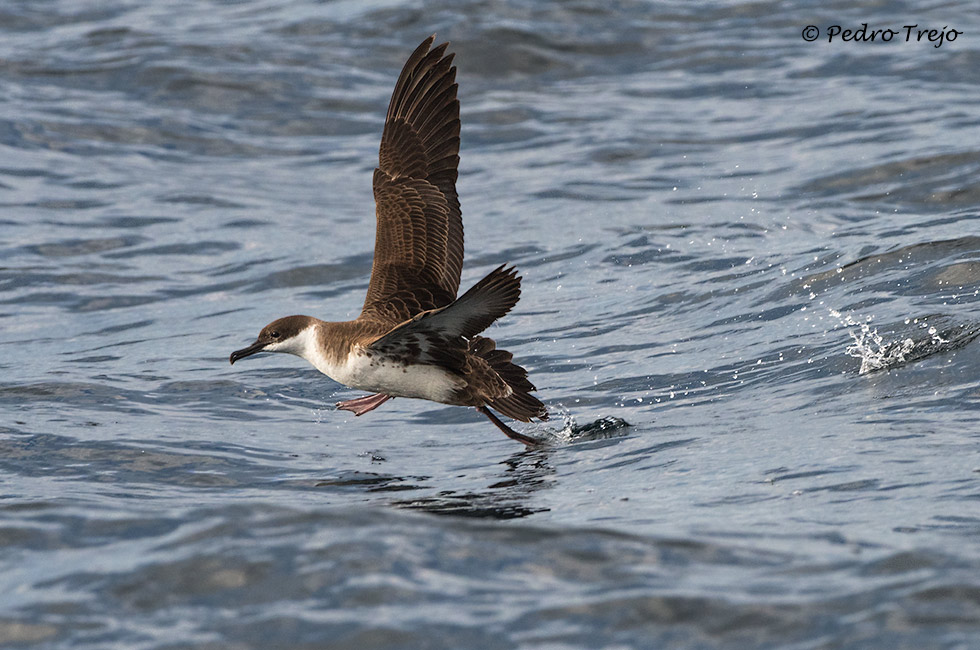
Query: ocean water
[761, 254]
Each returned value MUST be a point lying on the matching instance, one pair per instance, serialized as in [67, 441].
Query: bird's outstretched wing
[418, 251]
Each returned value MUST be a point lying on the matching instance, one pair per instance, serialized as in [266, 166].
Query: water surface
[719, 225]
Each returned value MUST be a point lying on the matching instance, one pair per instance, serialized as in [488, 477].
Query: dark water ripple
[761, 253]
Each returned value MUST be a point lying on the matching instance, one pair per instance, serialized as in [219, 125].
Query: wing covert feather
[418, 253]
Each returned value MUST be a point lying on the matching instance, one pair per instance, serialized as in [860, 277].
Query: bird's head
[292, 334]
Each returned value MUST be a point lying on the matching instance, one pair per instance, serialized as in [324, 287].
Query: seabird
[414, 337]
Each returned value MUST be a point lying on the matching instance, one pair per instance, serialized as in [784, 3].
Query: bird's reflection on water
[525, 473]
[508, 497]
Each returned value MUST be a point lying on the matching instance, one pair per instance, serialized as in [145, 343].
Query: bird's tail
[520, 404]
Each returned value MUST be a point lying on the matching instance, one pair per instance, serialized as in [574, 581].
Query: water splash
[605, 427]
[870, 347]
[877, 352]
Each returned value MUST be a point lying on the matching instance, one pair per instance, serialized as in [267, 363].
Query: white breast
[372, 373]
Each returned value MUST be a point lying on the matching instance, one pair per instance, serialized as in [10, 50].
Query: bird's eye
[274, 335]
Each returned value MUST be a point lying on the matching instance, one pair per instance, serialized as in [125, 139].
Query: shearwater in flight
[414, 337]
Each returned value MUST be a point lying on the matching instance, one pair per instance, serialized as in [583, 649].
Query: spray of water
[877, 353]
[606, 427]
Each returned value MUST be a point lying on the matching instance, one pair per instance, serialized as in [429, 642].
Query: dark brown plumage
[418, 250]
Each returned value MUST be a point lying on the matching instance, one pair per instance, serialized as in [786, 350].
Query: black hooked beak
[255, 348]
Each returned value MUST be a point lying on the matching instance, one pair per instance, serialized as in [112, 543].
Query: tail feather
[519, 404]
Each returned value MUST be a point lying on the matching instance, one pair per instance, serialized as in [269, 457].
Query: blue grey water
[719, 224]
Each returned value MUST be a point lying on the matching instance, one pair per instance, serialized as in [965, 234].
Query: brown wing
[418, 251]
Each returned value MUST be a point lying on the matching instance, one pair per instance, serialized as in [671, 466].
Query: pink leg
[362, 405]
[510, 433]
